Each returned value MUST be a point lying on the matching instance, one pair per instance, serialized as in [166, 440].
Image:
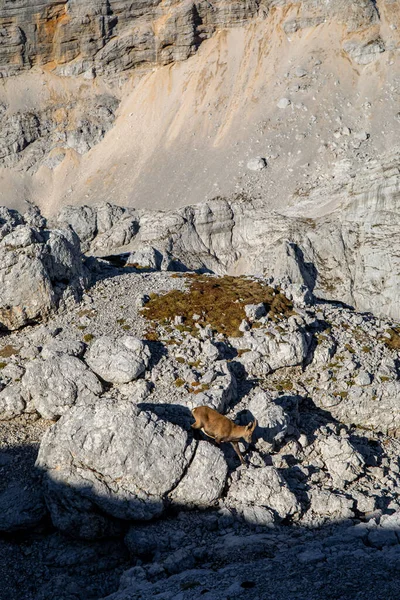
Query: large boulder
[342, 460]
[108, 461]
[205, 479]
[272, 420]
[55, 384]
[38, 268]
[263, 487]
[12, 403]
[284, 350]
[118, 361]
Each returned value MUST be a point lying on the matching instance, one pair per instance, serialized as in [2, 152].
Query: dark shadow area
[38, 562]
[171, 413]
[334, 303]
[307, 269]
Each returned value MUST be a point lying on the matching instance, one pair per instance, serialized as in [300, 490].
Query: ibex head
[248, 431]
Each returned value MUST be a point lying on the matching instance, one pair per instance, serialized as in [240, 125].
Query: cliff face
[115, 35]
[111, 35]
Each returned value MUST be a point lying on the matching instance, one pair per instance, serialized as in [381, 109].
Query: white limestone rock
[205, 479]
[106, 460]
[118, 361]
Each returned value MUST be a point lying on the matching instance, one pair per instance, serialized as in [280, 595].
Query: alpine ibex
[222, 429]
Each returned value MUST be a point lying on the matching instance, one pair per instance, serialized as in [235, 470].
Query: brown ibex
[222, 429]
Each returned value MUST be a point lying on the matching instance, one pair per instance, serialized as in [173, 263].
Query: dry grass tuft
[394, 341]
[8, 351]
[219, 301]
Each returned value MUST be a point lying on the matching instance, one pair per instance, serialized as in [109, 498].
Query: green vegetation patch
[219, 301]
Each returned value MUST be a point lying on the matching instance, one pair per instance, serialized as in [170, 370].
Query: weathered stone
[257, 164]
[56, 384]
[112, 457]
[205, 479]
[118, 361]
[12, 402]
[331, 505]
[364, 53]
[343, 462]
[38, 269]
[272, 421]
[255, 311]
[262, 487]
[145, 258]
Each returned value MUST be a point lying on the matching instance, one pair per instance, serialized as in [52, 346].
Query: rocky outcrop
[39, 269]
[45, 136]
[56, 384]
[113, 36]
[110, 459]
[350, 255]
[118, 361]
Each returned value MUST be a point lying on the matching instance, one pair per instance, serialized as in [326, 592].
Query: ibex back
[222, 429]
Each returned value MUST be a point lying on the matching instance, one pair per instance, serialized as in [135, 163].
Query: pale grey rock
[254, 364]
[391, 522]
[205, 479]
[300, 72]
[257, 515]
[272, 421]
[210, 350]
[284, 103]
[112, 457]
[363, 378]
[122, 233]
[262, 487]
[300, 294]
[145, 258]
[257, 164]
[326, 504]
[255, 311]
[343, 462]
[365, 503]
[374, 408]
[59, 347]
[21, 506]
[244, 326]
[39, 269]
[222, 390]
[118, 361]
[12, 372]
[12, 402]
[56, 384]
[136, 391]
[83, 219]
[364, 53]
[287, 350]
[324, 351]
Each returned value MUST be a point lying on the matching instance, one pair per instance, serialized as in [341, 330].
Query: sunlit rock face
[110, 35]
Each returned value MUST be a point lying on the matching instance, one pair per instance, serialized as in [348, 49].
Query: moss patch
[219, 301]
